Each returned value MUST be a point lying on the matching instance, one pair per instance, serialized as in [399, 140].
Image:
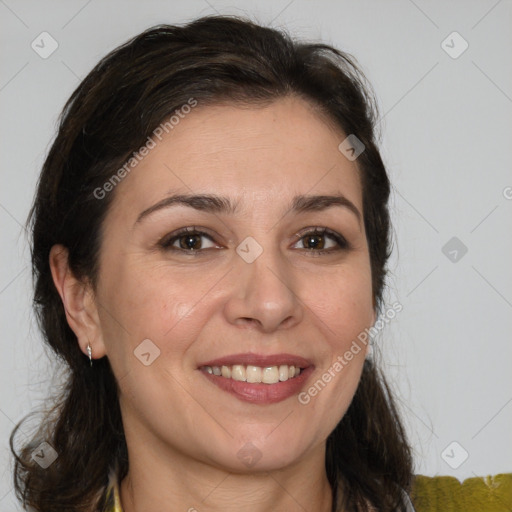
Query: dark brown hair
[109, 116]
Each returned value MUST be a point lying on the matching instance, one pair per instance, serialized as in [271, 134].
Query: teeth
[238, 372]
[270, 375]
[255, 374]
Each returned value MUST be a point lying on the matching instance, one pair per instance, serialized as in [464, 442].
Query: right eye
[188, 240]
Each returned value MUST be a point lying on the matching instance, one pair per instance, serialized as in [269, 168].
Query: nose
[264, 296]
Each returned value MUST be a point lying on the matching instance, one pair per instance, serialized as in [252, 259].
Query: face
[256, 287]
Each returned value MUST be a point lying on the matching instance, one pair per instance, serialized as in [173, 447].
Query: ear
[79, 303]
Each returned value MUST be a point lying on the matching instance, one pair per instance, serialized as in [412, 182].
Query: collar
[113, 501]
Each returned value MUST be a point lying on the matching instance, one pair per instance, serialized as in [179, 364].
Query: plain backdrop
[446, 123]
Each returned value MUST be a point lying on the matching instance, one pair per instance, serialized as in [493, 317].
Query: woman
[210, 237]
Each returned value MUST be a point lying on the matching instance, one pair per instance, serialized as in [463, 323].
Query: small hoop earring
[89, 352]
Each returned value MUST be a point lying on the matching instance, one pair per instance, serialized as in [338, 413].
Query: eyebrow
[217, 204]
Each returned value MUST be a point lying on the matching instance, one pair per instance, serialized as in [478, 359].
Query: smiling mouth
[258, 378]
[254, 374]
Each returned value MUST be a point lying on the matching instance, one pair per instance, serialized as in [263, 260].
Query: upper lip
[259, 360]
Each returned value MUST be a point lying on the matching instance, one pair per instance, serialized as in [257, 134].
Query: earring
[369, 350]
[89, 352]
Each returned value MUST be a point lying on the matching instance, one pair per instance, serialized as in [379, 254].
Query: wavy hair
[214, 59]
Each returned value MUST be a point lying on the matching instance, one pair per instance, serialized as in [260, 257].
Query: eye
[186, 240]
[315, 241]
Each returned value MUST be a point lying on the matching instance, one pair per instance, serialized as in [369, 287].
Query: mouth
[257, 378]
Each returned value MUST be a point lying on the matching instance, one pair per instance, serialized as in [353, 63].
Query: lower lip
[261, 393]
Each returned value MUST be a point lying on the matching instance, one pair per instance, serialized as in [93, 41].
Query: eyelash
[167, 242]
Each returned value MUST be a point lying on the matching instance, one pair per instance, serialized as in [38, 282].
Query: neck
[167, 481]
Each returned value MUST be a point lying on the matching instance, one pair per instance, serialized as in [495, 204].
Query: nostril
[249, 321]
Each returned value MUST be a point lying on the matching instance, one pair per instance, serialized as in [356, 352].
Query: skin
[183, 433]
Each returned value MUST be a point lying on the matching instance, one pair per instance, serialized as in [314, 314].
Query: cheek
[343, 302]
[343, 307]
[152, 302]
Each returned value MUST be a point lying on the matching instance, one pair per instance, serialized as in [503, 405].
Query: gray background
[447, 133]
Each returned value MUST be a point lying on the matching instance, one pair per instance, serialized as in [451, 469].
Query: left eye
[316, 241]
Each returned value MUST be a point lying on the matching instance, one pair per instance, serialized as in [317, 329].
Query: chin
[261, 454]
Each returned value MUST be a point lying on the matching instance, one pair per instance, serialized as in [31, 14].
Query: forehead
[256, 154]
